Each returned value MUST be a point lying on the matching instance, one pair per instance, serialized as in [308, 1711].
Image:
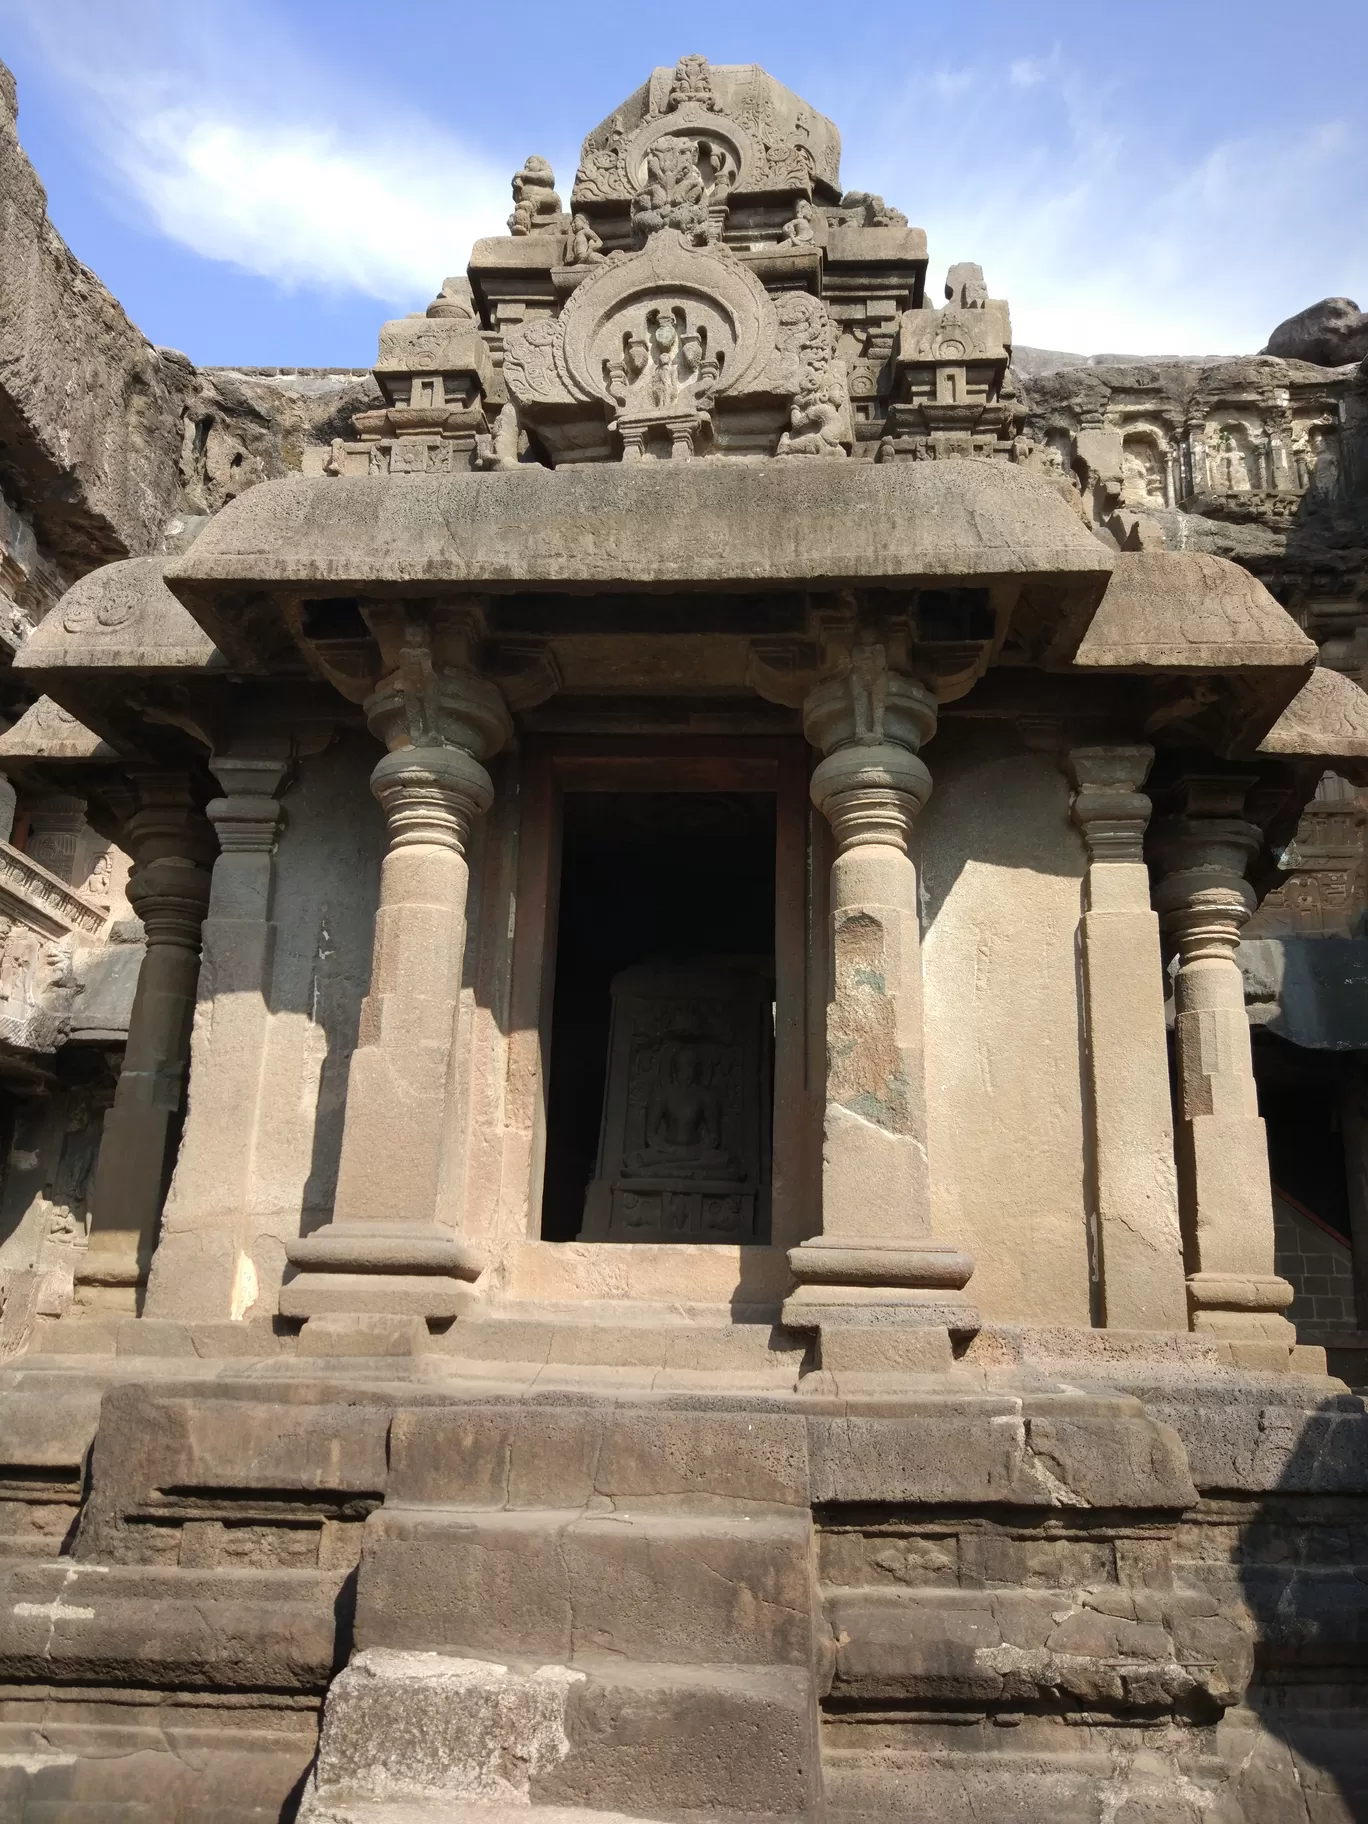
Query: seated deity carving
[683, 1122]
[582, 246]
[674, 194]
[536, 206]
[817, 422]
[801, 231]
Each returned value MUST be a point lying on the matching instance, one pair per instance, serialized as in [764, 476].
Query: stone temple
[684, 1049]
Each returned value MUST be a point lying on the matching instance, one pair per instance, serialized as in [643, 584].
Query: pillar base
[836, 1260]
[432, 1296]
[870, 1338]
[375, 1270]
[111, 1275]
[1247, 1333]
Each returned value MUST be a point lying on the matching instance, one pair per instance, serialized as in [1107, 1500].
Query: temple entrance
[658, 1123]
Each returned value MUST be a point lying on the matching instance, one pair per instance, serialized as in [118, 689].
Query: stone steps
[552, 1584]
[601, 1733]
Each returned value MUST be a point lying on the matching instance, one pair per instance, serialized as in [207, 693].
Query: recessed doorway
[659, 1105]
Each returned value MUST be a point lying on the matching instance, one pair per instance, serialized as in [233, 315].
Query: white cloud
[229, 139]
[1095, 207]
[1084, 213]
[383, 213]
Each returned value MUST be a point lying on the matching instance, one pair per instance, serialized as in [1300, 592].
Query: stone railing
[31, 896]
[40, 916]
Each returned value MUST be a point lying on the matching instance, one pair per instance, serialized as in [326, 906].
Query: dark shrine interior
[646, 877]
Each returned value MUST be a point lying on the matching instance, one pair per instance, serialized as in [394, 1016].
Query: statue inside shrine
[683, 1121]
[684, 1143]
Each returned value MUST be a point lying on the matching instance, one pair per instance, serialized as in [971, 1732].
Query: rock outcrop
[1333, 333]
[104, 438]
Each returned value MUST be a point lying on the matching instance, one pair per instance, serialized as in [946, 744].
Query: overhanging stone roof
[641, 525]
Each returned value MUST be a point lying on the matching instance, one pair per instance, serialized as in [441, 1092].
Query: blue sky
[265, 181]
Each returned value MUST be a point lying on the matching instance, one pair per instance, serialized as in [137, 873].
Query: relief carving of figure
[692, 85]
[582, 246]
[536, 206]
[601, 167]
[683, 1121]
[801, 232]
[664, 366]
[873, 210]
[820, 419]
[674, 195]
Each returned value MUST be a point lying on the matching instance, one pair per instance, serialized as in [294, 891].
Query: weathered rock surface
[104, 438]
[1333, 333]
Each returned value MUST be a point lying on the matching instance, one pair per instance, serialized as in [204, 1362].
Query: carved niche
[684, 1149]
[676, 350]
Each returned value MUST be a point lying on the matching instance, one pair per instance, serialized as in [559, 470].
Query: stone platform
[646, 1571]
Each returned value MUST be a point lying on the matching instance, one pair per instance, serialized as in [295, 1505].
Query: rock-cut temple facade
[683, 1044]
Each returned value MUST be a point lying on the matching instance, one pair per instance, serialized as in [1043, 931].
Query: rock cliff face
[1258, 459]
[104, 438]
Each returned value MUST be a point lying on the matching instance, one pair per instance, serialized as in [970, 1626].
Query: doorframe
[553, 765]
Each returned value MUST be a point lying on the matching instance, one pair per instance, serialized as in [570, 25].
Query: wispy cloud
[1107, 231]
[306, 203]
[1110, 215]
[268, 167]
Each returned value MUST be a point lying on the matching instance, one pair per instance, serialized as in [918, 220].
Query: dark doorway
[646, 877]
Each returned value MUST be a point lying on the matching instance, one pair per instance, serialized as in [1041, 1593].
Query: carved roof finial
[692, 85]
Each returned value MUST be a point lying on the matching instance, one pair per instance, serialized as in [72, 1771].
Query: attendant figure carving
[582, 246]
[536, 206]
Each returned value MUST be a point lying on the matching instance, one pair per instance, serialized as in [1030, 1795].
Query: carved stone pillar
[204, 1267]
[883, 1292]
[1225, 1196]
[172, 846]
[1139, 1240]
[392, 1246]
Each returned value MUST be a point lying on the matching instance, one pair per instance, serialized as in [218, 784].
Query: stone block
[157, 1451]
[234, 1630]
[541, 1456]
[48, 1432]
[361, 1334]
[599, 1735]
[549, 1585]
[991, 1452]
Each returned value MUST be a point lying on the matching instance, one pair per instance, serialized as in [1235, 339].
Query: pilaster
[393, 1246]
[206, 1266]
[1139, 1242]
[883, 1292]
[172, 845]
[1225, 1194]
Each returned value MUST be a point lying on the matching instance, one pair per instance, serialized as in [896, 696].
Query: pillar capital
[1202, 897]
[173, 846]
[868, 704]
[1108, 805]
[433, 698]
[248, 817]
